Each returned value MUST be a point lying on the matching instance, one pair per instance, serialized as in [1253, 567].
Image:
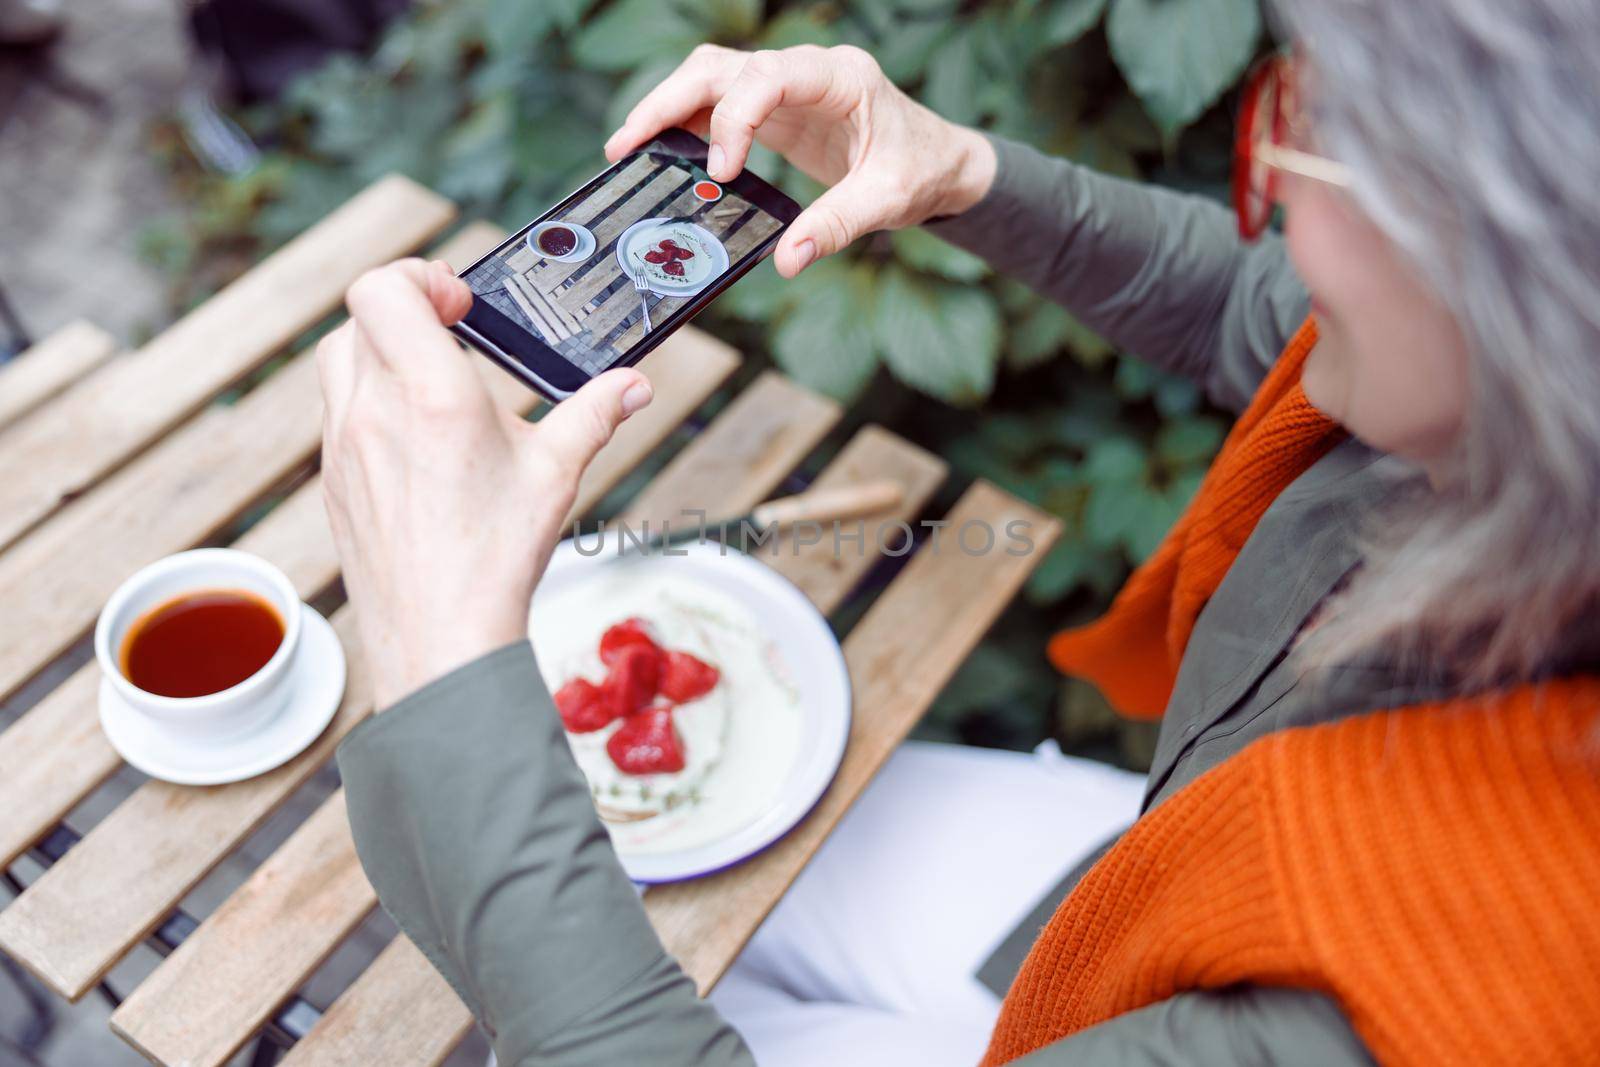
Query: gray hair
[1472, 130]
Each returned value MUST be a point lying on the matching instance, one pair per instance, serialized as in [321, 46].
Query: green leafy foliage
[1065, 22]
[918, 248]
[825, 340]
[1179, 55]
[937, 336]
[629, 33]
[503, 106]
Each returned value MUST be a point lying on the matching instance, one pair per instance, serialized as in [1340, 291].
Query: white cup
[241, 709]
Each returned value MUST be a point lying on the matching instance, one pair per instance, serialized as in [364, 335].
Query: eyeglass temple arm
[1294, 161]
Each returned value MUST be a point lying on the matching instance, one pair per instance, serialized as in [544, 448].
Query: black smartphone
[606, 275]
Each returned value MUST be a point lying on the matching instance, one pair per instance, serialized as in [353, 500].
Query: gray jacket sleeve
[476, 828]
[1162, 275]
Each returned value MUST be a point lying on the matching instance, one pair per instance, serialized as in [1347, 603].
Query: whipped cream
[740, 740]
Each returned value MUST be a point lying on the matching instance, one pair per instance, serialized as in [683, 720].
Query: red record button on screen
[708, 191]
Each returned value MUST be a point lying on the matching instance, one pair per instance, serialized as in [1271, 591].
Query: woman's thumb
[833, 220]
[576, 429]
[451, 297]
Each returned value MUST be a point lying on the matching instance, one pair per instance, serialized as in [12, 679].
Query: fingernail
[715, 159]
[638, 395]
[804, 253]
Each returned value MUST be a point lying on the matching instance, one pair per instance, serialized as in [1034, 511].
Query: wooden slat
[260, 941]
[401, 987]
[69, 444]
[687, 368]
[543, 317]
[545, 305]
[50, 759]
[175, 495]
[51, 366]
[555, 307]
[740, 458]
[126, 875]
[826, 577]
[206, 979]
[399, 1011]
[900, 656]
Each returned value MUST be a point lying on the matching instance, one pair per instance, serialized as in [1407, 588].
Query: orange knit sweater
[1132, 652]
[1435, 868]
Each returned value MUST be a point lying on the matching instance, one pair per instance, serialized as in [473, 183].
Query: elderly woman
[1372, 827]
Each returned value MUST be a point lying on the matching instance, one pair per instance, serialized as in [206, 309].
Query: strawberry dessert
[677, 256]
[669, 256]
[677, 708]
[636, 704]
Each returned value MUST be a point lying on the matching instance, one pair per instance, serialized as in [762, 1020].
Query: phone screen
[600, 277]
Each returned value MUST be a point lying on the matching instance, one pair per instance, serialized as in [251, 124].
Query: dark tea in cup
[201, 642]
[557, 241]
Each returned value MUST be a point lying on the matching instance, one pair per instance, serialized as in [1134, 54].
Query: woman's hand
[445, 507]
[888, 161]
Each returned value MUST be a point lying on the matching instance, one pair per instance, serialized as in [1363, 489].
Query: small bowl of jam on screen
[561, 242]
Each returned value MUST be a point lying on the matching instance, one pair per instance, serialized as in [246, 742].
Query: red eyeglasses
[1270, 140]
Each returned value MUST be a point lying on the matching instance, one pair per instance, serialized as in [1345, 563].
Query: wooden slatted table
[108, 463]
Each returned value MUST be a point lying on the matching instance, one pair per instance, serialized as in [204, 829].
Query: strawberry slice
[668, 244]
[632, 631]
[655, 256]
[673, 267]
[679, 252]
[581, 706]
[685, 677]
[633, 678]
[647, 743]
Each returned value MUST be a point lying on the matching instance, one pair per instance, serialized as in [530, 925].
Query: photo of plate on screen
[675, 257]
[705, 700]
[609, 273]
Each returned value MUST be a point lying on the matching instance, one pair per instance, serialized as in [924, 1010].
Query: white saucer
[581, 251]
[318, 689]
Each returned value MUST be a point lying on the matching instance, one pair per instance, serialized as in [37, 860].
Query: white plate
[815, 663]
[318, 688]
[648, 232]
[583, 250]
